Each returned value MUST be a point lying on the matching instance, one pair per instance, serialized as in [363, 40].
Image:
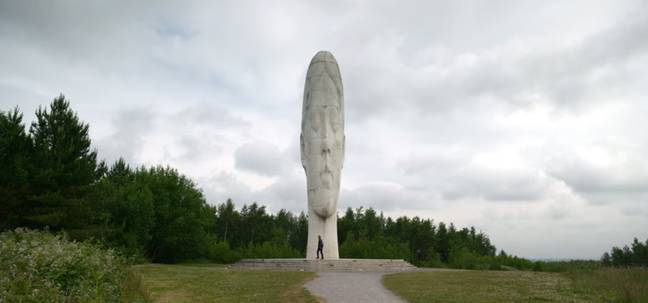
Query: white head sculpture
[322, 151]
[322, 134]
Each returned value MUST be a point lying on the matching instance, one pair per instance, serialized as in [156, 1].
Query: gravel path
[359, 287]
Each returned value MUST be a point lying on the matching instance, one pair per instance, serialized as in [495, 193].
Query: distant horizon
[523, 119]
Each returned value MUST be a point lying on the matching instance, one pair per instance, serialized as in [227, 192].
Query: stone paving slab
[357, 287]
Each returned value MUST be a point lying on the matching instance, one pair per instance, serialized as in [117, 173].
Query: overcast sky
[526, 119]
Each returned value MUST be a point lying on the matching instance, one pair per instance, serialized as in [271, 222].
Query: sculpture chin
[324, 208]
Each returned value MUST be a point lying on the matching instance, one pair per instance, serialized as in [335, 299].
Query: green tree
[15, 156]
[639, 253]
[256, 224]
[345, 225]
[300, 234]
[281, 227]
[443, 246]
[64, 168]
[422, 239]
[226, 220]
[371, 224]
[635, 255]
[606, 260]
[126, 207]
[183, 220]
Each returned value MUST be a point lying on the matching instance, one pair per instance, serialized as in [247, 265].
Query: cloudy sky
[526, 119]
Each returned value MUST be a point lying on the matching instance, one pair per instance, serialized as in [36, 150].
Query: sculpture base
[377, 265]
[327, 229]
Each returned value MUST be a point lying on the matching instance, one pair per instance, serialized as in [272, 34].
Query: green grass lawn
[520, 286]
[217, 283]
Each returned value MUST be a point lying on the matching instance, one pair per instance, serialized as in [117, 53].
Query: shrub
[569, 266]
[220, 252]
[269, 250]
[432, 260]
[41, 267]
[468, 260]
[378, 248]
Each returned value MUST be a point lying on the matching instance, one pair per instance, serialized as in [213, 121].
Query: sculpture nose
[326, 153]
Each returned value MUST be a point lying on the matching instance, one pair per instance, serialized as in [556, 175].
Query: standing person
[320, 247]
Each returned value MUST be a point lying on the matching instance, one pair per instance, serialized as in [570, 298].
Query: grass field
[520, 286]
[622, 285]
[216, 283]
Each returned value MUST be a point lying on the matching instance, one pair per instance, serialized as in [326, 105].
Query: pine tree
[15, 156]
[606, 259]
[227, 219]
[64, 168]
[443, 247]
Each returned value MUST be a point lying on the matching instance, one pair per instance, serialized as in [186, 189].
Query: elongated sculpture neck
[322, 143]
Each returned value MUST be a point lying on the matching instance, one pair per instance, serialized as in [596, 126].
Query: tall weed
[41, 267]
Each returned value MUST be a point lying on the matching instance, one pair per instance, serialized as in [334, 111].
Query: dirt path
[359, 287]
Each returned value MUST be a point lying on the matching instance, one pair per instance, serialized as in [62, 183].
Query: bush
[41, 267]
[468, 260]
[569, 266]
[378, 248]
[269, 250]
[220, 252]
[513, 262]
[432, 260]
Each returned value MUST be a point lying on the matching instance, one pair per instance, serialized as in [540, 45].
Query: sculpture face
[322, 138]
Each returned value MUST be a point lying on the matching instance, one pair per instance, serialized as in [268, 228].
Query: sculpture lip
[323, 56]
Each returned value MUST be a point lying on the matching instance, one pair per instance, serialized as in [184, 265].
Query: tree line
[634, 255]
[362, 233]
[51, 179]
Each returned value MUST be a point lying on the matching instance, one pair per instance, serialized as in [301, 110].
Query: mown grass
[218, 283]
[520, 286]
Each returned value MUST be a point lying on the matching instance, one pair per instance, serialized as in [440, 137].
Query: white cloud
[262, 158]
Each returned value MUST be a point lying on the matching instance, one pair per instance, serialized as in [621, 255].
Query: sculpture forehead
[318, 70]
[323, 83]
[323, 93]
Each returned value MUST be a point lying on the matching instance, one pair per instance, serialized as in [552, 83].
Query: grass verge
[496, 286]
[217, 283]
